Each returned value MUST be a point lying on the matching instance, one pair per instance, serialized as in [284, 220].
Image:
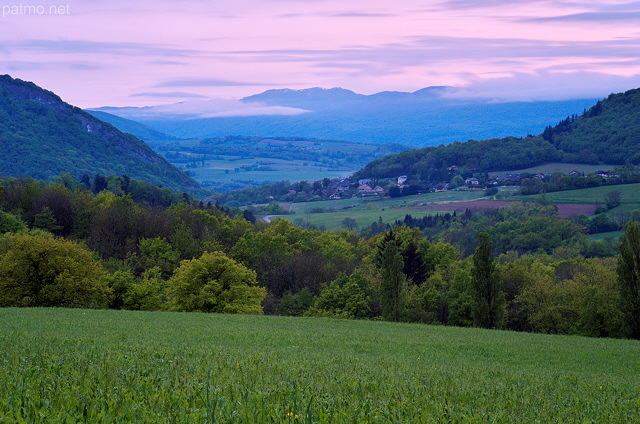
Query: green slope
[42, 136]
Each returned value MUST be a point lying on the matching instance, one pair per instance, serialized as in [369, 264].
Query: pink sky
[121, 53]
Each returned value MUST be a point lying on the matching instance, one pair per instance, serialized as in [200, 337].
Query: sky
[140, 52]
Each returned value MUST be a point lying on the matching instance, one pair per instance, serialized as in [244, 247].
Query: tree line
[64, 245]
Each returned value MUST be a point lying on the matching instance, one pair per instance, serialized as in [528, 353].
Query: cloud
[546, 86]
[602, 17]
[205, 82]
[66, 47]
[354, 14]
[437, 50]
[40, 66]
[199, 109]
[474, 4]
[174, 94]
[341, 14]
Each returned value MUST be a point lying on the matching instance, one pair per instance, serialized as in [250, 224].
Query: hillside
[609, 132]
[42, 136]
[426, 117]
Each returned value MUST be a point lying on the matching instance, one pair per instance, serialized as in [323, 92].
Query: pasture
[629, 196]
[328, 214]
[69, 366]
[549, 168]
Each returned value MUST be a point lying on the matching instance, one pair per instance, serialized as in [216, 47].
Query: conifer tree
[629, 277]
[393, 282]
[488, 306]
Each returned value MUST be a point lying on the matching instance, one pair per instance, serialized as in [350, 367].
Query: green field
[615, 235]
[367, 210]
[364, 218]
[549, 168]
[69, 366]
[237, 162]
[224, 170]
[629, 196]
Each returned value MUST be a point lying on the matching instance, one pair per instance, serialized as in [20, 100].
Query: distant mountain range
[42, 136]
[427, 117]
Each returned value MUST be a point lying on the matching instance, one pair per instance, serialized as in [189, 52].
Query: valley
[237, 162]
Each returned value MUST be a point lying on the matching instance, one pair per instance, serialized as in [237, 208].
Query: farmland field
[237, 162]
[549, 168]
[615, 235]
[365, 211]
[629, 193]
[363, 217]
[61, 365]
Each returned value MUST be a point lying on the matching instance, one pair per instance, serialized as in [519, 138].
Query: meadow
[565, 168]
[328, 214]
[69, 366]
[629, 196]
[236, 162]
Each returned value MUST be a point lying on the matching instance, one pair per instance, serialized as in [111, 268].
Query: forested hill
[609, 132]
[42, 136]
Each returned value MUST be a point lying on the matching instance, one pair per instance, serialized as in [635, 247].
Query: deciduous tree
[215, 283]
[39, 270]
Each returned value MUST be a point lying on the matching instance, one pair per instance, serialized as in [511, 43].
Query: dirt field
[564, 210]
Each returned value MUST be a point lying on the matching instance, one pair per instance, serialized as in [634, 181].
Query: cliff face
[42, 136]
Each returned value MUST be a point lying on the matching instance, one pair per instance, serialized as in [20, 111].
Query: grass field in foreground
[68, 366]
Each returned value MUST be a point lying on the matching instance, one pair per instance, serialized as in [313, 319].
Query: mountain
[427, 117]
[317, 99]
[42, 136]
[606, 133]
[143, 132]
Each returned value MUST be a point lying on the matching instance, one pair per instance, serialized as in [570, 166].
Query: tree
[46, 220]
[155, 252]
[488, 307]
[456, 181]
[392, 282]
[628, 271]
[149, 294]
[10, 223]
[395, 191]
[349, 223]
[215, 283]
[295, 304]
[39, 270]
[343, 298]
[613, 199]
[99, 183]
